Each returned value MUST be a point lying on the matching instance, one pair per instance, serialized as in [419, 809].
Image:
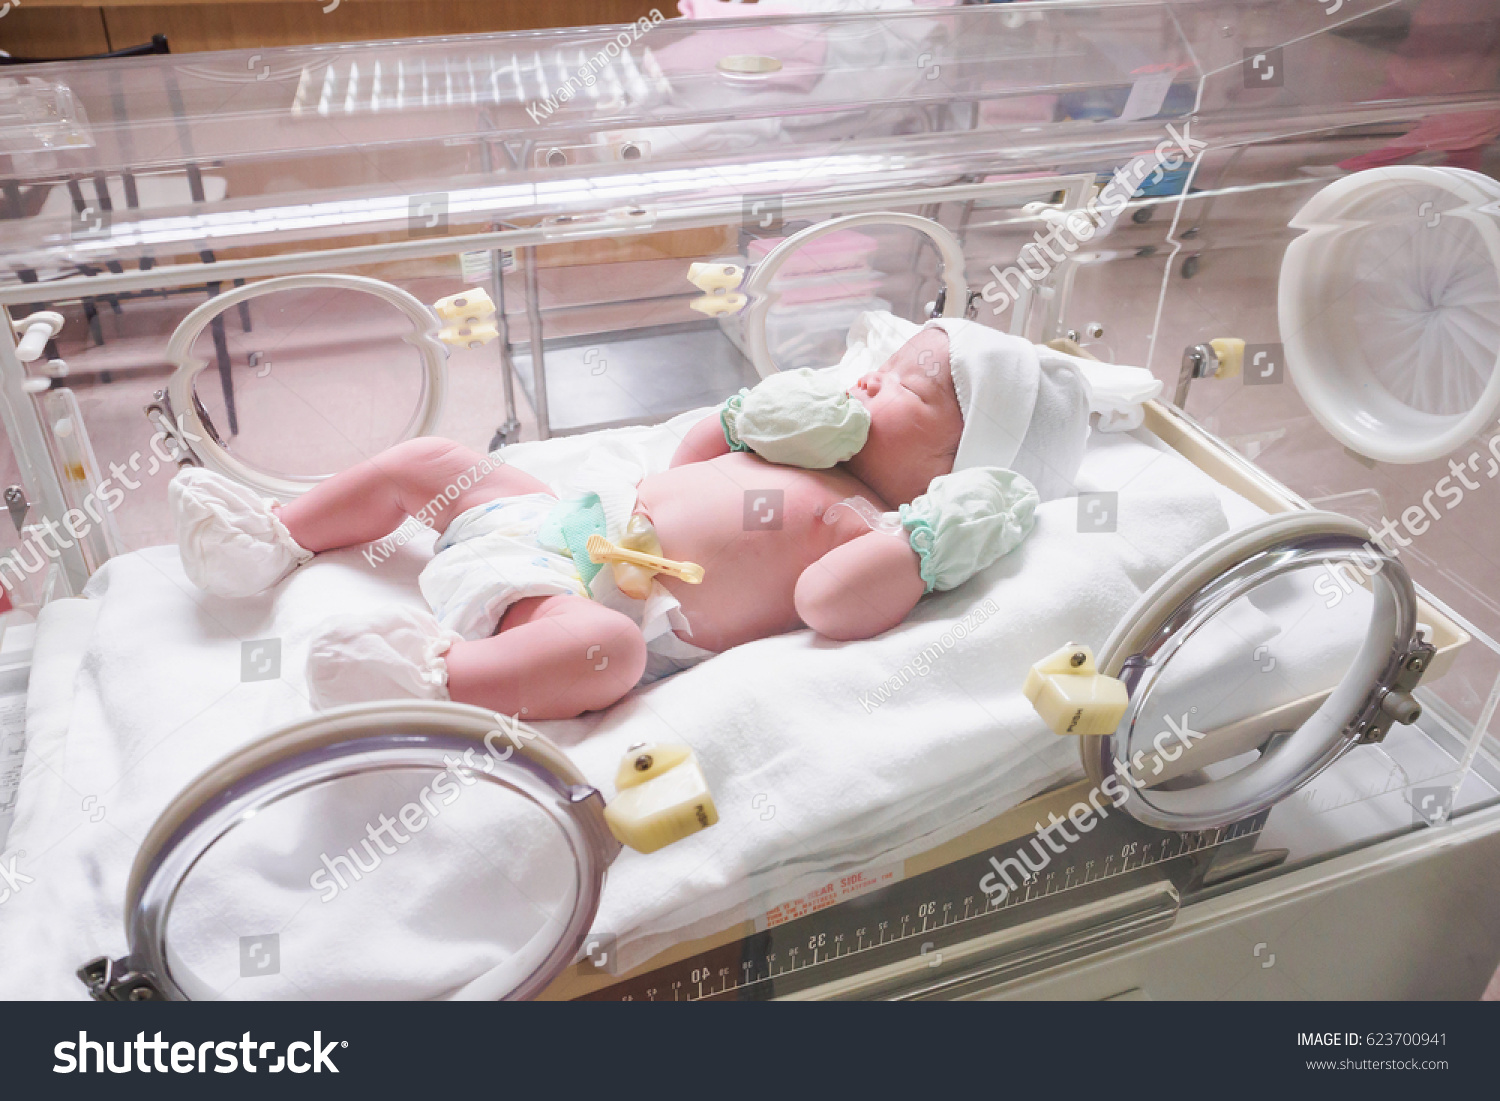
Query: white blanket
[822, 756]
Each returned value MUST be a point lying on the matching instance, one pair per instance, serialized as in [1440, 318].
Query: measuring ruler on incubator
[923, 915]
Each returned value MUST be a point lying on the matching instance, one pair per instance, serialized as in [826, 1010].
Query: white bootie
[395, 653]
[231, 543]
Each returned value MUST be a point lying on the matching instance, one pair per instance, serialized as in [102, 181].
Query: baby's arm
[705, 440]
[860, 588]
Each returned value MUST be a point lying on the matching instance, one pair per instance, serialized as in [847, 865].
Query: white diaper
[490, 557]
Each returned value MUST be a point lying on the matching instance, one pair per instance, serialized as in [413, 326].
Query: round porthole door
[410, 851]
[1250, 669]
[1389, 309]
[283, 382]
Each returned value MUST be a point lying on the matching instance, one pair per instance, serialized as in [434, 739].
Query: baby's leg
[372, 499]
[554, 657]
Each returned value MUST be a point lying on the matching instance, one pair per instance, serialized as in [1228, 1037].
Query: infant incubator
[1259, 621]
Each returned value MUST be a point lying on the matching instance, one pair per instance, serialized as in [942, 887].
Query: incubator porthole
[1205, 744]
[1389, 307]
[304, 868]
[556, 158]
[251, 883]
[257, 369]
[630, 152]
[269, 389]
[807, 288]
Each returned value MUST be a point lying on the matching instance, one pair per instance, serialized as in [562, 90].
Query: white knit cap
[1025, 407]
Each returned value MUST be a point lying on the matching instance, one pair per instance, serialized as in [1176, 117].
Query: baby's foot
[395, 653]
[231, 541]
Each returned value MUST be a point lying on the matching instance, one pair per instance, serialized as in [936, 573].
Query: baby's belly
[753, 527]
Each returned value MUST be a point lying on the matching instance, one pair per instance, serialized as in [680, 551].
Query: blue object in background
[1100, 104]
[1171, 183]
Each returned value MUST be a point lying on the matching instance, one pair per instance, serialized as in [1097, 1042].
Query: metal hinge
[1394, 703]
[971, 304]
[18, 506]
[159, 413]
[112, 981]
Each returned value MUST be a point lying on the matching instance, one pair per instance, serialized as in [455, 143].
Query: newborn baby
[917, 476]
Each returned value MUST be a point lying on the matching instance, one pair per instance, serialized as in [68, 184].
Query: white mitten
[966, 521]
[395, 653]
[231, 543]
[797, 418]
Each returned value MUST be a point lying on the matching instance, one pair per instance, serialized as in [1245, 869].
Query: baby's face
[915, 420]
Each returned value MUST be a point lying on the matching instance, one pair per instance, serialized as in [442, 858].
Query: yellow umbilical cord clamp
[602, 550]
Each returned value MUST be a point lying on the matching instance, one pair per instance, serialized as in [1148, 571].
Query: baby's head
[959, 395]
[915, 419]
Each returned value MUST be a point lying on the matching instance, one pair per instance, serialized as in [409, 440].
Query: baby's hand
[861, 588]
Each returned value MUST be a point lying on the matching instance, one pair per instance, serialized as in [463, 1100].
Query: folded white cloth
[232, 543]
[873, 337]
[1116, 393]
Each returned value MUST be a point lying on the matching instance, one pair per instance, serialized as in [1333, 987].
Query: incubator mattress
[823, 757]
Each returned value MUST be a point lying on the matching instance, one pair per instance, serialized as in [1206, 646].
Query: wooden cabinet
[53, 29]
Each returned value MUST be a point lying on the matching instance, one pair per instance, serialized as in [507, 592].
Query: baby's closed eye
[924, 386]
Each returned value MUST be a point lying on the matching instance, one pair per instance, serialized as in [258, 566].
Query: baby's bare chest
[742, 506]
